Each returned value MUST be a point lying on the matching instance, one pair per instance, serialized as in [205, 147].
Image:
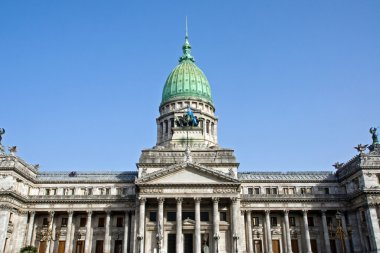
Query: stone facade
[188, 196]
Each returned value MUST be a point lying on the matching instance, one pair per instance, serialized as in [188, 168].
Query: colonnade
[235, 211]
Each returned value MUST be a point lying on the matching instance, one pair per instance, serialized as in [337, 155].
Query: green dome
[186, 80]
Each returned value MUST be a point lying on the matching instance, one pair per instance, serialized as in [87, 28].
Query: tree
[28, 249]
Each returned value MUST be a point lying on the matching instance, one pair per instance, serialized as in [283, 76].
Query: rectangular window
[171, 122]
[205, 216]
[166, 127]
[171, 216]
[45, 222]
[47, 191]
[273, 221]
[64, 222]
[327, 190]
[223, 216]
[53, 191]
[72, 191]
[83, 222]
[257, 190]
[190, 215]
[153, 216]
[292, 221]
[108, 191]
[288, 190]
[267, 190]
[101, 222]
[255, 221]
[272, 190]
[89, 191]
[250, 191]
[306, 190]
[310, 221]
[119, 222]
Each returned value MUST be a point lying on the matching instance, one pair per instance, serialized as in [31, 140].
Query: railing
[287, 197]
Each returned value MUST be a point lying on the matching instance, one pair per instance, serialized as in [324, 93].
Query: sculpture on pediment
[375, 138]
[338, 165]
[12, 150]
[361, 148]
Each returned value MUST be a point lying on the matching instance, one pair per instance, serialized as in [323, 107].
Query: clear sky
[296, 84]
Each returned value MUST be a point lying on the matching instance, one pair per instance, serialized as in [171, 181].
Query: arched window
[162, 128]
[212, 128]
[207, 126]
[166, 127]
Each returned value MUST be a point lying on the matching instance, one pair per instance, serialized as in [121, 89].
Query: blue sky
[296, 84]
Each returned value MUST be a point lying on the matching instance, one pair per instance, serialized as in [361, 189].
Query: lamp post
[139, 238]
[236, 238]
[159, 239]
[216, 238]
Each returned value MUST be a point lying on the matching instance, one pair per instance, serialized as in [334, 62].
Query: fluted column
[268, 232]
[287, 232]
[141, 234]
[87, 245]
[326, 232]
[30, 228]
[107, 237]
[68, 232]
[179, 244]
[198, 242]
[126, 232]
[249, 228]
[50, 228]
[346, 237]
[160, 223]
[215, 219]
[307, 233]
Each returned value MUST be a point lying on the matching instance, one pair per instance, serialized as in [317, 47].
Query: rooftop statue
[2, 131]
[375, 139]
[187, 120]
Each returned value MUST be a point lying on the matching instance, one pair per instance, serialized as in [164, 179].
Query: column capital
[89, 213]
[161, 200]
[267, 211]
[70, 212]
[108, 212]
[179, 200]
[197, 199]
[142, 200]
[234, 200]
[323, 212]
[304, 211]
[51, 213]
[215, 200]
[32, 213]
[286, 211]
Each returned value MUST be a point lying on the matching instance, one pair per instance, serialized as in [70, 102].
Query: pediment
[187, 173]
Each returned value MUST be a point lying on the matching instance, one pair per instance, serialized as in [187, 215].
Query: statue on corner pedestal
[372, 130]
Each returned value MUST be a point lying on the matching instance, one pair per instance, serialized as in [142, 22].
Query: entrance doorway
[295, 248]
[171, 243]
[80, 247]
[118, 246]
[314, 247]
[188, 243]
[99, 246]
[61, 247]
[276, 246]
[42, 247]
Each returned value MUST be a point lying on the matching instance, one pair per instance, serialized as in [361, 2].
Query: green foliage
[28, 249]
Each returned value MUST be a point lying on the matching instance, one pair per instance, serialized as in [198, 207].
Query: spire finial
[186, 48]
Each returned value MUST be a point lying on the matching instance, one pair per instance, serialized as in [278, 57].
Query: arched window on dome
[212, 128]
[161, 129]
[171, 125]
[207, 126]
[166, 127]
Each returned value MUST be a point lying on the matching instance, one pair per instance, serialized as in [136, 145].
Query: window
[378, 178]
[292, 221]
[207, 126]
[257, 190]
[250, 190]
[166, 127]
[119, 222]
[119, 191]
[306, 190]
[223, 216]
[288, 190]
[108, 190]
[101, 222]
[273, 221]
[205, 216]
[72, 190]
[212, 127]
[53, 191]
[310, 221]
[45, 222]
[171, 122]
[47, 191]
[326, 190]
[255, 221]
[329, 220]
[101, 191]
[162, 128]
[64, 222]
[362, 214]
[171, 216]
[272, 190]
[89, 191]
[153, 216]
[191, 215]
[83, 221]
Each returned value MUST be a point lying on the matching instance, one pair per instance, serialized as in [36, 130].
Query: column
[249, 228]
[197, 232]
[268, 232]
[126, 231]
[326, 232]
[141, 234]
[359, 225]
[215, 219]
[346, 236]
[235, 225]
[87, 245]
[179, 244]
[133, 232]
[49, 228]
[307, 233]
[287, 232]
[53, 234]
[160, 224]
[30, 228]
[68, 232]
[107, 237]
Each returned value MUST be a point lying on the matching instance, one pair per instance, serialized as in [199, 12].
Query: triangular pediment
[187, 173]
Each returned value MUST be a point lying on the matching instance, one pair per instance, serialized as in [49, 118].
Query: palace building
[188, 196]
